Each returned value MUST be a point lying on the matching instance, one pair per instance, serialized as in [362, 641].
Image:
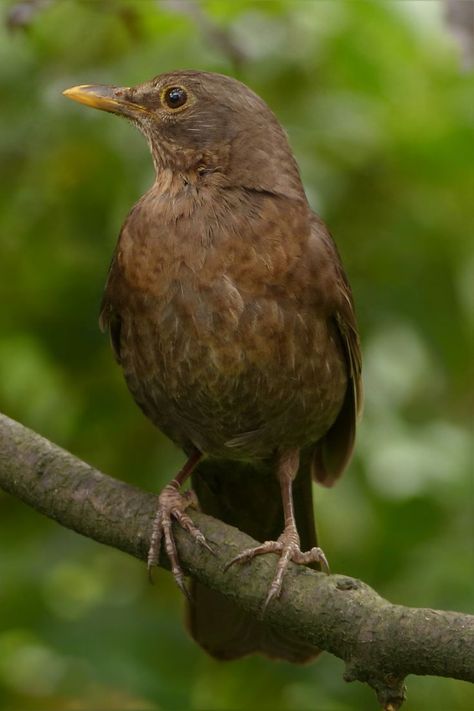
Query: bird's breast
[210, 365]
[219, 337]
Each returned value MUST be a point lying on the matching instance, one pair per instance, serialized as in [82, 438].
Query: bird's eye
[175, 97]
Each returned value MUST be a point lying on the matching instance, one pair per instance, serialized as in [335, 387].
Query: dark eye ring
[175, 97]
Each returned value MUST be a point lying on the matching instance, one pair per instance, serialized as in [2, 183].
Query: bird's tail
[241, 496]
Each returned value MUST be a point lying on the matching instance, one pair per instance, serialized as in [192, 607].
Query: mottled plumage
[233, 321]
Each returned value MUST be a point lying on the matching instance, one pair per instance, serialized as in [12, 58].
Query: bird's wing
[333, 451]
[109, 319]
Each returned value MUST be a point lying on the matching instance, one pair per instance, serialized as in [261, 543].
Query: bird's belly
[235, 380]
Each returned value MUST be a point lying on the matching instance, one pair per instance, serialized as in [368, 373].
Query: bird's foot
[288, 547]
[172, 505]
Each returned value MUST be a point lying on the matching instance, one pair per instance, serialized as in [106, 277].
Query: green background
[379, 113]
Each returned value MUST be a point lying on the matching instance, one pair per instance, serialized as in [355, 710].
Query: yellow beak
[107, 98]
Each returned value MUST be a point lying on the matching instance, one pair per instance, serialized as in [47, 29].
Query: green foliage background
[380, 117]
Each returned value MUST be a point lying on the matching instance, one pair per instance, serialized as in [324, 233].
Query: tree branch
[381, 643]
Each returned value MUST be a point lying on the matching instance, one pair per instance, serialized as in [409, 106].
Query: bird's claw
[288, 547]
[172, 505]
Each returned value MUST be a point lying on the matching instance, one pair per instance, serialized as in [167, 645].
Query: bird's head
[204, 123]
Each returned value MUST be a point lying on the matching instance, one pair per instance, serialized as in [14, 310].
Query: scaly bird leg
[172, 505]
[288, 544]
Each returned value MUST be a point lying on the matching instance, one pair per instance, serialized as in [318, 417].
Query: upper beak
[115, 99]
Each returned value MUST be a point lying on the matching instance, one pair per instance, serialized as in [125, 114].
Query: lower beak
[114, 99]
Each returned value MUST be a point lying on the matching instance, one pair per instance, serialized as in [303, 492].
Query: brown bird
[232, 318]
